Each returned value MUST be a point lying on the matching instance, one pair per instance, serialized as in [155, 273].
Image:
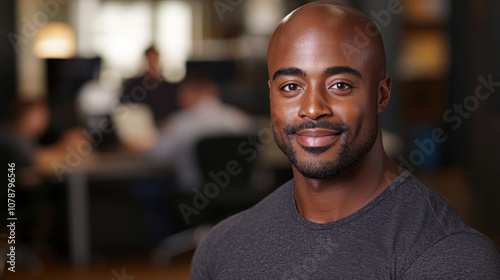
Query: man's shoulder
[419, 203]
[269, 208]
[463, 255]
[235, 233]
[260, 215]
[436, 235]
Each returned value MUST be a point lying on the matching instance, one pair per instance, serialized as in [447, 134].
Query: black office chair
[228, 157]
[217, 154]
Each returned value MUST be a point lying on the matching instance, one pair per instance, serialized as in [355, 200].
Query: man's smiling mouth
[317, 137]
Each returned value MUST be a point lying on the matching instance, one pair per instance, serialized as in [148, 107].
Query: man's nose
[315, 104]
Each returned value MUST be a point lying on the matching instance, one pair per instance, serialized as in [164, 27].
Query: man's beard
[350, 154]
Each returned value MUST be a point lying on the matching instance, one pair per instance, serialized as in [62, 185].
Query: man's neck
[328, 200]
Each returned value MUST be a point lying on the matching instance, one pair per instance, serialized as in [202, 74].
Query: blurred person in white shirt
[202, 114]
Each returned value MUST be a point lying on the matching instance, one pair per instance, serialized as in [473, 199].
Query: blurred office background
[85, 204]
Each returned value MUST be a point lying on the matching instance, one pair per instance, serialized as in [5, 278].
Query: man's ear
[384, 93]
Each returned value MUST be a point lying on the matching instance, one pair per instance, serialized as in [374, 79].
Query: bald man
[349, 212]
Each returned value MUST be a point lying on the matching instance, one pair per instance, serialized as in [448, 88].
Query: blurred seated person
[202, 114]
[19, 134]
[151, 89]
[21, 131]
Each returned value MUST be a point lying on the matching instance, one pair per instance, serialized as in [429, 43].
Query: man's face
[323, 101]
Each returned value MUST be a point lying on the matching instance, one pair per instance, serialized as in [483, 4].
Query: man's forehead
[304, 39]
[314, 49]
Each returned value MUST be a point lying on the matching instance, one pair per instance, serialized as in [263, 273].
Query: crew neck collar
[312, 225]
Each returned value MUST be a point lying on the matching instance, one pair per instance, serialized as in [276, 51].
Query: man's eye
[290, 87]
[341, 86]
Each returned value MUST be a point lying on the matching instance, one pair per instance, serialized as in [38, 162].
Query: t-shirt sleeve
[459, 256]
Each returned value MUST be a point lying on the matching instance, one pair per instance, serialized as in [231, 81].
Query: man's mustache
[339, 126]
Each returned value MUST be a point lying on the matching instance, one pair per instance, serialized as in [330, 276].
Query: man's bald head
[354, 33]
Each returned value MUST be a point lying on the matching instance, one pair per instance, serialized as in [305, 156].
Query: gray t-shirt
[407, 232]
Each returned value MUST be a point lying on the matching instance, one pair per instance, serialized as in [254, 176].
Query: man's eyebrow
[330, 70]
[288, 71]
[342, 69]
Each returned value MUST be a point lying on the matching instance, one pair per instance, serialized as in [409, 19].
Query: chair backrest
[216, 152]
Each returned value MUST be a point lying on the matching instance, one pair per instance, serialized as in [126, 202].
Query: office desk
[101, 168]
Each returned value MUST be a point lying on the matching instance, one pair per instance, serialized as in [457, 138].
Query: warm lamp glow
[55, 40]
